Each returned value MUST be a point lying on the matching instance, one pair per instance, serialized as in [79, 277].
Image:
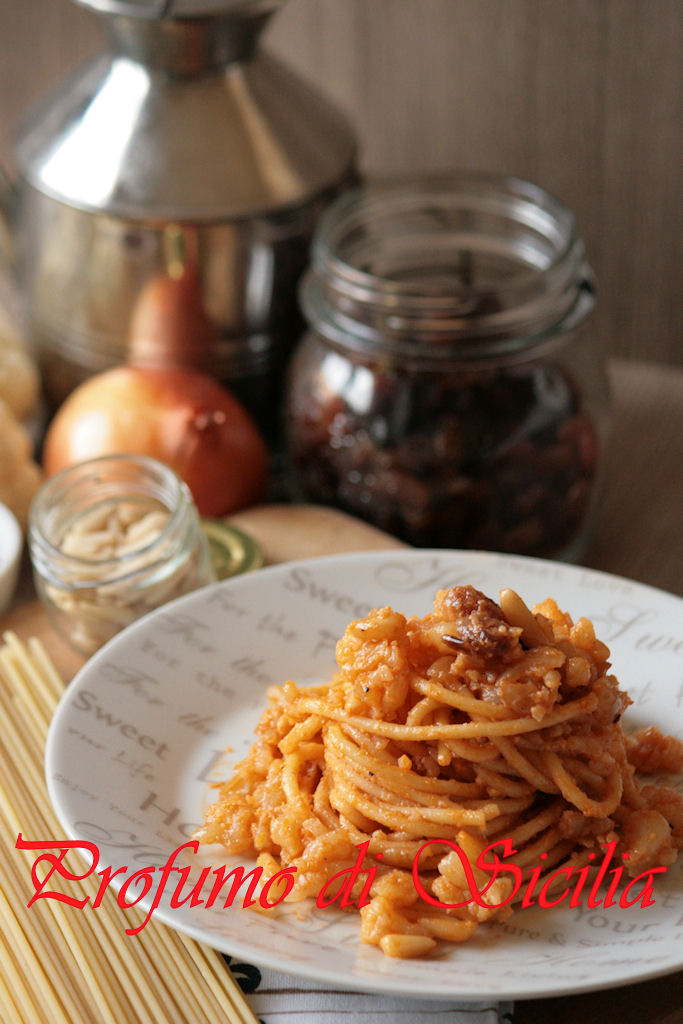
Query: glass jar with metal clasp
[449, 389]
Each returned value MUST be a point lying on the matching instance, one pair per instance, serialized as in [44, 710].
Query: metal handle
[155, 10]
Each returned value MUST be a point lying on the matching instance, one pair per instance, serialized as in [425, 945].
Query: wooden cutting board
[285, 532]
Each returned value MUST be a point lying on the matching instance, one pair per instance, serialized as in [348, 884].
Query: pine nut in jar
[110, 539]
[449, 389]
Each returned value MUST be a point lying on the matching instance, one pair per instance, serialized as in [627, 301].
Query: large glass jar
[449, 389]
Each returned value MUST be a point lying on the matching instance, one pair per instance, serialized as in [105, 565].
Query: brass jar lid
[231, 550]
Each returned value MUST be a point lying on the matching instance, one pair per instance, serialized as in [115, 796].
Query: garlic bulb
[20, 477]
[19, 381]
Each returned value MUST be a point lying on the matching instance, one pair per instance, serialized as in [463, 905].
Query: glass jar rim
[45, 550]
[347, 301]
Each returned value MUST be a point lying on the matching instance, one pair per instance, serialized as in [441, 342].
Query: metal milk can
[184, 166]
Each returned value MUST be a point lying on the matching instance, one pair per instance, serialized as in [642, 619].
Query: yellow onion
[181, 417]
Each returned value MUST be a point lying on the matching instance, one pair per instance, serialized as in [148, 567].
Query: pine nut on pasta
[476, 724]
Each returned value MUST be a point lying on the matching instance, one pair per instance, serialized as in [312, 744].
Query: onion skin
[179, 416]
[169, 324]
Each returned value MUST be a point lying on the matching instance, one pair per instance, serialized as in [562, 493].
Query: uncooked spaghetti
[475, 723]
[60, 966]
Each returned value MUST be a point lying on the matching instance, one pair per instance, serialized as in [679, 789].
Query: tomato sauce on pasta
[477, 722]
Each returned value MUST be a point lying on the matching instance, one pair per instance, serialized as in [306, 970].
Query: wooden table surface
[639, 534]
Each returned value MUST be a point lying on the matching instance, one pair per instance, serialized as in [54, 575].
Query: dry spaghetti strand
[61, 964]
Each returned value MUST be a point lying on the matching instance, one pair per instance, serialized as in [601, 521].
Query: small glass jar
[449, 389]
[111, 539]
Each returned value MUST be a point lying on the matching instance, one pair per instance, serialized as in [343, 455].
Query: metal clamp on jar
[449, 389]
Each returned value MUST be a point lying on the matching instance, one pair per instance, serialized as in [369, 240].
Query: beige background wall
[583, 96]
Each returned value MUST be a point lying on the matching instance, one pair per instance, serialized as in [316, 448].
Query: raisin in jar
[449, 389]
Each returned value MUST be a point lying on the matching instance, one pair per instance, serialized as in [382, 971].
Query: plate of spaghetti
[457, 773]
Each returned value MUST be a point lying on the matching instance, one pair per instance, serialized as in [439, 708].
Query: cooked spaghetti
[474, 723]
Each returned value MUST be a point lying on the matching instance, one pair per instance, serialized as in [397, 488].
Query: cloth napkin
[284, 999]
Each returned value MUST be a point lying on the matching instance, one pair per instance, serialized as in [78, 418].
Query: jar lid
[231, 550]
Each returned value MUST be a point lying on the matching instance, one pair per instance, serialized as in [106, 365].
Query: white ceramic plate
[140, 732]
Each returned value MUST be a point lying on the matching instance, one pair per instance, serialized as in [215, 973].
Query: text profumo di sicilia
[226, 884]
